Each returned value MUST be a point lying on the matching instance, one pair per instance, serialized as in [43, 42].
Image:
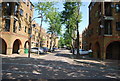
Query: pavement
[57, 65]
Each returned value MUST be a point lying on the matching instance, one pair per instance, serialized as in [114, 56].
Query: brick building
[16, 17]
[103, 33]
[15, 28]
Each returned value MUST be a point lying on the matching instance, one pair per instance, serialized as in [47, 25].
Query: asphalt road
[57, 65]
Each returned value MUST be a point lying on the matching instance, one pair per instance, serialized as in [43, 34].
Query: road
[57, 65]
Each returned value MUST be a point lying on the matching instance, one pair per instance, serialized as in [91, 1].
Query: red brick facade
[103, 32]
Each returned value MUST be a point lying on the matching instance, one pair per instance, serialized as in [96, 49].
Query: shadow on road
[56, 51]
[32, 68]
[64, 55]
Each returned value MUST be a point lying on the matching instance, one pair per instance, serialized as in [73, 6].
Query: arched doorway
[113, 51]
[3, 48]
[16, 46]
[26, 45]
[97, 50]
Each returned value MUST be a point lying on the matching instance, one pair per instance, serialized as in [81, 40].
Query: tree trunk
[54, 44]
[73, 50]
[51, 42]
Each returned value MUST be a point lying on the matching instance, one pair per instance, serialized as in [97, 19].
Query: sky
[83, 9]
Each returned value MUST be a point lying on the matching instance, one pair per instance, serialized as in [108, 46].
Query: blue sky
[83, 9]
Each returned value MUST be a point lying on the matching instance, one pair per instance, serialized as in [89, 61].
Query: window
[108, 28]
[19, 28]
[118, 26]
[16, 9]
[8, 4]
[26, 15]
[108, 9]
[21, 12]
[30, 7]
[7, 11]
[117, 7]
[29, 19]
[14, 26]
[29, 31]
[27, 3]
[25, 29]
[34, 25]
[7, 25]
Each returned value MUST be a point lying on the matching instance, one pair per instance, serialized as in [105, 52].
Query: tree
[61, 42]
[70, 18]
[53, 18]
[43, 9]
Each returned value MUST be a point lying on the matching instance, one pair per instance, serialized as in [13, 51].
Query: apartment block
[14, 34]
[103, 33]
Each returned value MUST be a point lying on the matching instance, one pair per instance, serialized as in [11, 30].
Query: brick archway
[3, 47]
[113, 50]
[26, 45]
[16, 46]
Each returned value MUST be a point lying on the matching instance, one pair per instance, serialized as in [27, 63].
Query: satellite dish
[101, 26]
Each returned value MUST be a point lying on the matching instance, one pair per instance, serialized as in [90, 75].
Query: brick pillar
[21, 47]
[11, 23]
[21, 51]
[9, 51]
[104, 53]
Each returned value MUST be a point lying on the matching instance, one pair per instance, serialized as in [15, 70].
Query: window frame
[108, 28]
[7, 25]
[21, 12]
[25, 29]
[118, 26]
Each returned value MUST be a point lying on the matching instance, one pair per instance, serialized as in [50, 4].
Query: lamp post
[30, 32]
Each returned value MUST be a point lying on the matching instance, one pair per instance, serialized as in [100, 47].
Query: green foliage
[53, 18]
[43, 8]
[70, 17]
[61, 42]
[67, 39]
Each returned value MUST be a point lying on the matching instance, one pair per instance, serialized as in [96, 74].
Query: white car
[82, 52]
[35, 50]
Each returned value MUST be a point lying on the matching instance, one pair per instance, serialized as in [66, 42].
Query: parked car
[82, 52]
[45, 49]
[55, 48]
[50, 50]
[35, 50]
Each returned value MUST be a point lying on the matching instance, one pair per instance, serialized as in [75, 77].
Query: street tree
[43, 9]
[53, 18]
[61, 42]
[71, 16]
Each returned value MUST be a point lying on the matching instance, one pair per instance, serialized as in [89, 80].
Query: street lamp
[30, 32]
